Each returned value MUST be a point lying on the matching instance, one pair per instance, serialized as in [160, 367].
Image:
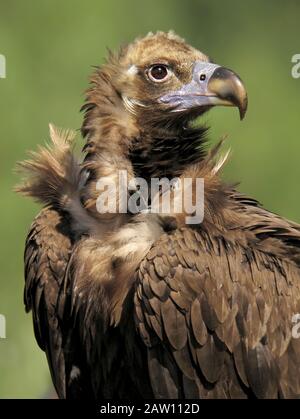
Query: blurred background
[50, 46]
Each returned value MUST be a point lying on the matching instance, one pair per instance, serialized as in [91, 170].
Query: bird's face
[162, 74]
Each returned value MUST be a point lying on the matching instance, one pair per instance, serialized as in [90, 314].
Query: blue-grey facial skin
[211, 85]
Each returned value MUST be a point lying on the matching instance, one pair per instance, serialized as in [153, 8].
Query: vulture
[146, 304]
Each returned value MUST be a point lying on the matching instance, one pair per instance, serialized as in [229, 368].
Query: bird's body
[146, 305]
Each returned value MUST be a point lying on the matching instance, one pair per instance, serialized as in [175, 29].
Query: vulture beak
[211, 85]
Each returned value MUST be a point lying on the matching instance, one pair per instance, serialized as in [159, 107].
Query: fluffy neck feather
[166, 153]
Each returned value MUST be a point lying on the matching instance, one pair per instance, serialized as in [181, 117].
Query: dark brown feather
[144, 305]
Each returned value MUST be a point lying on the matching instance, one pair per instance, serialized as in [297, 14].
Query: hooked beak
[211, 85]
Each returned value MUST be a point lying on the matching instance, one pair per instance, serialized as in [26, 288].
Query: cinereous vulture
[143, 304]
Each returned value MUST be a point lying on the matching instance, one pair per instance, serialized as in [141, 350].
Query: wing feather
[220, 312]
[47, 251]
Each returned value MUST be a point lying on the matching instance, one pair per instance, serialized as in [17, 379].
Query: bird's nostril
[202, 77]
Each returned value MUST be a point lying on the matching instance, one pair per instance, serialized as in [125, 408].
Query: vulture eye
[158, 73]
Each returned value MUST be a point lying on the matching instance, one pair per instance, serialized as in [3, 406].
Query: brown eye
[158, 73]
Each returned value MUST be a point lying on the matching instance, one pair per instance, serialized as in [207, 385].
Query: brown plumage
[145, 305]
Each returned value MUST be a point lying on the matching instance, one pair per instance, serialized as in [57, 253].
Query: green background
[50, 47]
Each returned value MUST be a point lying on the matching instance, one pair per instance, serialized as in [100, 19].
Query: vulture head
[163, 74]
[148, 94]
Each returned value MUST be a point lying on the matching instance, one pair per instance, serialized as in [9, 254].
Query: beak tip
[242, 104]
[228, 86]
[243, 109]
